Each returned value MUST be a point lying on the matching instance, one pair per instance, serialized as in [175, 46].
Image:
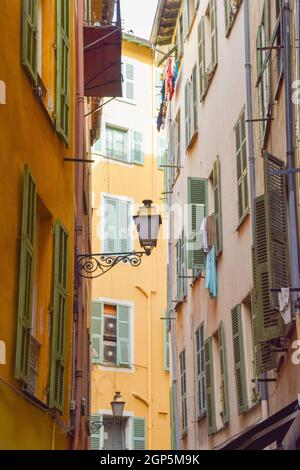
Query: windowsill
[126, 101]
[230, 27]
[35, 401]
[201, 417]
[192, 140]
[209, 81]
[243, 219]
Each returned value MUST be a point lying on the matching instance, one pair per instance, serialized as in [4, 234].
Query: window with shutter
[63, 61]
[242, 167]
[123, 335]
[224, 374]
[117, 233]
[197, 210]
[210, 387]
[218, 205]
[30, 37]
[187, 107]
[26, 275]
[137, 148]
[138, 434]
[183, 391]
[161, 150]
[231, 8]
[178, 141]
[200, 361]
[97, 332]
[96, 436]
[166, 345]
[239, 360]
[128, 72]
[59, 317]
[117, 144]
[201, 57]
[213, 33]
[184, 265]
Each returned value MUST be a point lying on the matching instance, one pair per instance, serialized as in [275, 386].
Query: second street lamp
[93, 265]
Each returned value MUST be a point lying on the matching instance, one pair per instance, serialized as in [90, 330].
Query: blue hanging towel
[211, 273]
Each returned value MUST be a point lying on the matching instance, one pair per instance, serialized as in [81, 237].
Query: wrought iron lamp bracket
[92, 266]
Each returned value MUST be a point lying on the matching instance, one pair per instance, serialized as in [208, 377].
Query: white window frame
[130, 200]
[128, 430]
[125, 61]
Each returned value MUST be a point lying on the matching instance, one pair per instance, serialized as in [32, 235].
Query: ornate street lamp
[147, 222]
[117, 406]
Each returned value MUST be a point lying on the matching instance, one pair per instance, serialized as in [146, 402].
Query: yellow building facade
[130, 353]
[37, 210]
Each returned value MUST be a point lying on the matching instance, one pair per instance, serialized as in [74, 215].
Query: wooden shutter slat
[26, 277]
[218, 205]
[137, 148]
[59, 317]
[30, 38]
[197, 200]
[224, 374]
[210, 387]
[138, 434]
[239, 360]
[123, 335]
[97, 332]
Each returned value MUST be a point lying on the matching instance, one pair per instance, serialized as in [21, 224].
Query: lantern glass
[117, 406]
[147, 223]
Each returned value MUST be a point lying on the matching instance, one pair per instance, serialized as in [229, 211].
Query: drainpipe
[251, 164]
[292, 200]
[170, 305]
[297, 46]
[78, 314]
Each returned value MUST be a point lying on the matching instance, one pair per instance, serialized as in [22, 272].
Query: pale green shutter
[129, 81]
[63, 63]
[201, 371]
[59, 317]
[197, 201]
[96, 436]
[218, 205]
[201, 56]
[227, 8]
[214, 33]
[30, 37]
[138, 434]
[187, 108]
[123, 335]
[210, 387]
[239, 360]
[97, 332]
[184, 283]
[224, 374]
[161, 151]
[124, 226]
[137, 153]
[166, 345]
[195, 99]
[179, 280]
[26, 277]
[111, 208]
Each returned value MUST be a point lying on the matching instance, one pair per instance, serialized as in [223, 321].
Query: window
[242, 167]
[183, 391]
[210, 387]
[35, 259]
[239, 360]
[161, 152]
[231, 10]
[111, 343]
[124, 145]
[207, 47]
[117, 223]
[216, 183]
[128, 72]
[30, 38]
[158, 87]
[181, 268]
[263, 70]
[127, 433]
[224, 376]
[191, 108]
[116, 143]
[200, 361]
[197, 210]
[177, 163]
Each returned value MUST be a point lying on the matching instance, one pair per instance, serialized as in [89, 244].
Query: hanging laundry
[211, 273]
[160, 119]
[203, 234]
[169, 82]
[285, 305]
[175, 72]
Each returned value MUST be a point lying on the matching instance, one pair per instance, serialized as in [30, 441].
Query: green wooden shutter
[179, 279]
[63, 63]
[201, 56]
[197, 201]
[227, 8]
[26, 277]
[224, 374]
[137, 153]
[184, 282]
[195, 99]
[218, 205]
[210, 387]
[214, 33]
[201, 370]
[59, 317]
[111, 229]
[123, 335]
[172, 417]
[30, 37]
[97, 332]
[96, 436]
[138, 434]
[124, 226]
[187, 108]
[239, 359]
[166, 345]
